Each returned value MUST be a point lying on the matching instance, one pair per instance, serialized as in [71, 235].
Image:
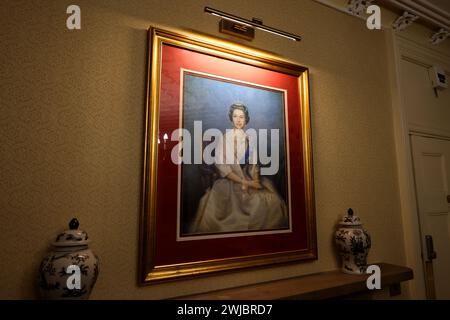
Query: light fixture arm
[251, 23]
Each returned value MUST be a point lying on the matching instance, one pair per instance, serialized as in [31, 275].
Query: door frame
[401, 48]
[427, 264]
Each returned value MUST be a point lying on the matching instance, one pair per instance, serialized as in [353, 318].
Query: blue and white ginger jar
[71, 269]
[353, 243]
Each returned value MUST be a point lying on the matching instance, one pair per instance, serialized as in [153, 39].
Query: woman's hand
[254, 184]
[244, 184]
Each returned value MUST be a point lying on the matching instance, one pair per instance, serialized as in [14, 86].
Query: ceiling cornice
[408, 11]
[425, 10]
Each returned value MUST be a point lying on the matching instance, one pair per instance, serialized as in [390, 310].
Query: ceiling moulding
[439, 36]
[426, 11]
[404, 21]
[355, 8]
[358, 7]
[423, 11]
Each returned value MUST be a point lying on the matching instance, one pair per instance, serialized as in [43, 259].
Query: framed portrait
[228, 177]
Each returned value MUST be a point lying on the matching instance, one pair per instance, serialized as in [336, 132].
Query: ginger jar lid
[72, 237]
[350, 219]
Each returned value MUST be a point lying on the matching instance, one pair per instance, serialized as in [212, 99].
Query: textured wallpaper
[72, 132]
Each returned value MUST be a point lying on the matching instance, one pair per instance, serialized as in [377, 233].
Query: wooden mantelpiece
[323, 285]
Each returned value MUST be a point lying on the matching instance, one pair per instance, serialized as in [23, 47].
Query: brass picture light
[244, 28]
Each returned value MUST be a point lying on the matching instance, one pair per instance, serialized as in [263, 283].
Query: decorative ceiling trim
[426, 11]
[428, 14]
[356, 7]
[439, 36]
[404, 21]
[439, 12]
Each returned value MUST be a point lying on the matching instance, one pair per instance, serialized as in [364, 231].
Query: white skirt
[225, 207]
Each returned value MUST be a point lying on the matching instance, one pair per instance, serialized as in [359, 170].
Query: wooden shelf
[324, 285]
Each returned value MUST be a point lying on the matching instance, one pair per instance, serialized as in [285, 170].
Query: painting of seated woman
[236, 194]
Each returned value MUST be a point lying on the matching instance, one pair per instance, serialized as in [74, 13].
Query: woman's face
[238, 119]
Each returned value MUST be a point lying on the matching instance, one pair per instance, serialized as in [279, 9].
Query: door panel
[433, 176]
[431, 159]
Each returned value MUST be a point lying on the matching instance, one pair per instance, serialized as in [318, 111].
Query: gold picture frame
[162, 255]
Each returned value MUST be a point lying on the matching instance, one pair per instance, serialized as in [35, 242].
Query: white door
[431, 159]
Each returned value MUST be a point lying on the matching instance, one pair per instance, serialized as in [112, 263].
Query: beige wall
[71, 132]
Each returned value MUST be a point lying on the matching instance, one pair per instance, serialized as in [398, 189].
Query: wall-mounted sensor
[438, 77]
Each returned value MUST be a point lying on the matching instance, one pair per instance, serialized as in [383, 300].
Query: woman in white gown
[240, 200]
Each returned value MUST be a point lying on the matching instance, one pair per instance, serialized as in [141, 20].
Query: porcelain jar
[353, 243]
[71, 269]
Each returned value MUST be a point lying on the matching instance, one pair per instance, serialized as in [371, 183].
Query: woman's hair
[239, 106]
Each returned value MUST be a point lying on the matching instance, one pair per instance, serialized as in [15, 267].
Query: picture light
[244, 28]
